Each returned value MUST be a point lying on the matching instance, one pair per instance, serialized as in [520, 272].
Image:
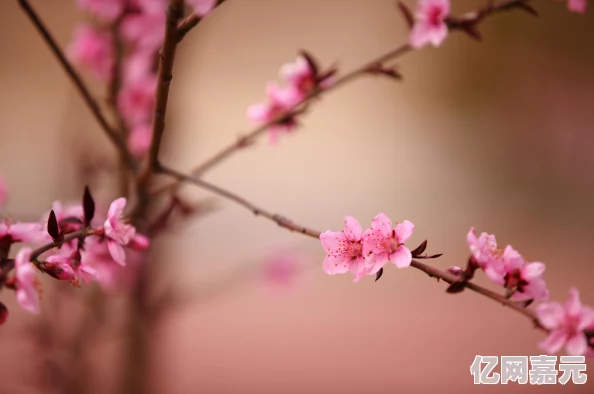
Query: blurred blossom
[108, 10]
[136, 99]
[139, 140]
[92, 50]
[280, 270]
[138, 65]
[430, 26]
[578, 6]
[146, 30]
[118, 232]
[26, 284]
[566, 324]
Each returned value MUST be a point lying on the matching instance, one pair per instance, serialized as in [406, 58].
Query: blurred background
[496, 135]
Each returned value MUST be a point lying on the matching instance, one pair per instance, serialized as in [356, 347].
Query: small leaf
[88, 206]
[456, 287]
[379, 274]
[311, 62]
[52, 227]
[407, 14]
[420, 249]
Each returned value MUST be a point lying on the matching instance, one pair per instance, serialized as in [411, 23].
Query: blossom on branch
[430, 26]
[566, 324]
[92, 49]
[26, 284]
[21, 232]
[365, 253]
[119, 233]
[382, 243]
[507, 267]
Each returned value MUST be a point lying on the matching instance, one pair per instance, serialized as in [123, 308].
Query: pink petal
[511, 259]
[334, 265]
[140, 242]
[117, 252]
[259, 113]
[438, 34]
[27, 232]
[577, 344]
[573, 306]
[496, 272]
[401, 257]
[578, 6]
[358, 268]
[404, 231]
[87, 274]
[531, 271]
[376, 261]
[28, 299]
[554, 342]
[331, 241]
[383, 224]
[551, 315]
[535, 290]
[586, 319]
[352, 229]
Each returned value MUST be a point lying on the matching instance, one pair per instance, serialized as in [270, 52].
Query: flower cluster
[302, 78]
[365, 253]
[430, 25]
[570, 325]
[80, 259]
[507, 267]
[140, 26]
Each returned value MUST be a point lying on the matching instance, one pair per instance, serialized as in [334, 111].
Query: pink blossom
[68, 266]
[97, 256]
[21, 232]
[430, 26]
[280, 101]
[145, 30]
[280, 270]
[566, 324]
[138, 65]
[3, 191]
[120, 234]
[108, 10]
[508, 268]
[202, 7]
[344, 250]
[26, 285]
[578, 6]
[381, 243]
[136, 100]
[92, 49]
[139, 139]
[300, 75]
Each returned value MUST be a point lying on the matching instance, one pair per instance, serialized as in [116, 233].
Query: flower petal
[554, 342]
[334, 265]
[352, 229]
[332, 241]
[404, 230]
[117, 252]
[576, 345]
[401, 257]
[382, 224]
[551, 315]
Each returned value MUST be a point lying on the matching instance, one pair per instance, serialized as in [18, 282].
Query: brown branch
[175, 11]
[247, 139]
[189, 22]
[112, 134]
[291, 226]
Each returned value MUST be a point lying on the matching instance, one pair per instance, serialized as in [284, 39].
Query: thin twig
[190, 21]
[248, 138]
[112, 134]
[292, 226]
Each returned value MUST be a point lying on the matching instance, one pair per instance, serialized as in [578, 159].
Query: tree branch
[112, 134]
[291, 226]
